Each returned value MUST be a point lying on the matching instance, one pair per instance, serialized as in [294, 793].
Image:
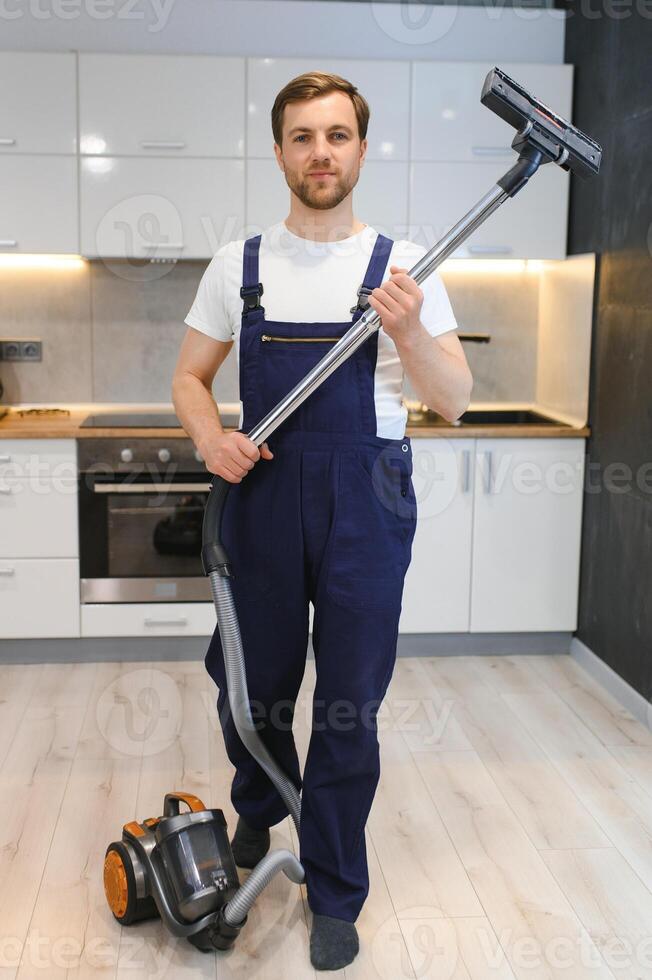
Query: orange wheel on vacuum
[120, 887]
[116, 886]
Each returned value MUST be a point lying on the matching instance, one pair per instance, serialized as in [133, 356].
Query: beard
[321, 196]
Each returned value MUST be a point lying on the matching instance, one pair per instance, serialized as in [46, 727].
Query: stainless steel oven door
[148, 542]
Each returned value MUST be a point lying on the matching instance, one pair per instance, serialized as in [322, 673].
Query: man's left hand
[398, 302]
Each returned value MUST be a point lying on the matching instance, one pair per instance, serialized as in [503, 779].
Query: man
[329, 516]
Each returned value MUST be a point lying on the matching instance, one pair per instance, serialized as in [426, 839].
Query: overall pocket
[284, 361]
[373, 529]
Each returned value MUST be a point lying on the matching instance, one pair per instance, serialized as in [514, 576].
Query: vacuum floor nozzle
[560, 141]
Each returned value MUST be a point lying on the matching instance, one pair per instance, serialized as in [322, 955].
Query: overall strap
[251, 289]
[373, 277]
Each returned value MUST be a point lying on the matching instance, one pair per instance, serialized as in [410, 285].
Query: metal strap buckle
[362, 305]
[251, 296]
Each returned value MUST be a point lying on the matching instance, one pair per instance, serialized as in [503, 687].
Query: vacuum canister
[196, 855]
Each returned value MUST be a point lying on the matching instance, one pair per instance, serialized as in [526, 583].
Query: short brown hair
[311, 85]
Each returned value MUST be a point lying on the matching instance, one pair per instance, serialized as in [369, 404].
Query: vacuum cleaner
[179, 866]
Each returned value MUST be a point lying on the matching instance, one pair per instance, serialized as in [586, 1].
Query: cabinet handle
[466, 480]
[181, 621]
[491, 151]
[7, 571]
[8, 243]
[6, 490]
[171, 487]
[162, 144]
[5, 459]
[490, 249]
[488, 487]
[5, 141]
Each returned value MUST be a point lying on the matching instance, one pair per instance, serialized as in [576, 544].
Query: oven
[141, 506]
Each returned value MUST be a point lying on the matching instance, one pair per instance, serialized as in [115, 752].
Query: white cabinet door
[437, 584]
[526, 534]
[148, 619]
[161, 104]
[38, 204]
[268, 196]
[450, 123]
[158, 208]
[530, 225]
[384, 84]
[38, 108]
[39, 597]
[38, 518]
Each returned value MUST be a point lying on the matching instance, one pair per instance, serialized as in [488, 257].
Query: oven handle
[150, 487]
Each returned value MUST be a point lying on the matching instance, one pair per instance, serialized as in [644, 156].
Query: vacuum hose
[216, 565]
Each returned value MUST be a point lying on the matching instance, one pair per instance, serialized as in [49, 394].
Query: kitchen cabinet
[497, 545]
[157, 208]
[530, 225]
[436, 594]
[148, 619]
[38, 204]
[38, 109]
[527, 522]
[161, 105]
[450, 123]
[39, 598]
[385, 85]
[39, 565]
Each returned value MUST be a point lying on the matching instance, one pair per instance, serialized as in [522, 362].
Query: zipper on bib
[300, 340]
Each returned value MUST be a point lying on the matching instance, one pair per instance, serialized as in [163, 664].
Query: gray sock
[333, 942]
[249, 846]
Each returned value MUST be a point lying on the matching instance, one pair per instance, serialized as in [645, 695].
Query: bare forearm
[440, 380]
[196, 409]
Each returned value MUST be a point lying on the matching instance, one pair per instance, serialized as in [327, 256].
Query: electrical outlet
[10, 350]
[30, 350]
[20, 350]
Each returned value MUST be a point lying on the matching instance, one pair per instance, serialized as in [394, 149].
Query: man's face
[322, 153]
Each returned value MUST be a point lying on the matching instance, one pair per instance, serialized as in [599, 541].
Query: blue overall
[330, 520]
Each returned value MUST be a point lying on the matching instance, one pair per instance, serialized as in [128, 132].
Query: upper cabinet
[176, 153]
[450, 123]
[38, 108]
[384, 84]
[531, 225]
[38, 204]
[161, 105]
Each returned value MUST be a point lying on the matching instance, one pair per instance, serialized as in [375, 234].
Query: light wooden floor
[510, 836]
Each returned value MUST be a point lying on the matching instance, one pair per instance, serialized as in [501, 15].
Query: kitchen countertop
[13, 426]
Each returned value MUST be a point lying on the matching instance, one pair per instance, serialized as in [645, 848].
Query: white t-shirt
[310, 281]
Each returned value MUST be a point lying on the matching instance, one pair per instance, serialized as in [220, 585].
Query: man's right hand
[232, 454]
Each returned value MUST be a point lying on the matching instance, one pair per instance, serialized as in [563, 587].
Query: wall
[612, 214]
[111, 331]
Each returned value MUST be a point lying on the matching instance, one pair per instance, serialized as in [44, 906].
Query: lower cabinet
[527, 521]
[437, 584]
[148, 619]
[39, 597]
[497, 545]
